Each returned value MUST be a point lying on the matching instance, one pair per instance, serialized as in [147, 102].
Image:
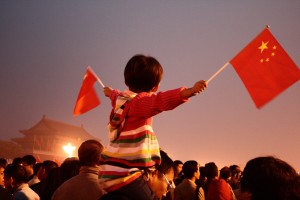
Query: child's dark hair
[142, 73]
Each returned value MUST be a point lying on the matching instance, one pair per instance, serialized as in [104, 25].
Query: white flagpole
[98, 79]
[215, 74]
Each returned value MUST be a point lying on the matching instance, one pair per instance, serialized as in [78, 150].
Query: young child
[133, 146]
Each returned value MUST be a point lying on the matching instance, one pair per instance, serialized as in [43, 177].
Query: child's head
[142, 73]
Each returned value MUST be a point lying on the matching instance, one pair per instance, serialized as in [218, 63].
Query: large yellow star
[263, 46]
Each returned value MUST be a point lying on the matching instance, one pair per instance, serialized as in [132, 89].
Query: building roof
[51, 127]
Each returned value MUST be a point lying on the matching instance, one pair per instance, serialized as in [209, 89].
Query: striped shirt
[133, 144]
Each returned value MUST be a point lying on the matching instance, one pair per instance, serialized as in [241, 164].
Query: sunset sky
[46, 46]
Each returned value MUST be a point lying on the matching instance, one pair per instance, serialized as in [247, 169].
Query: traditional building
[46, 139]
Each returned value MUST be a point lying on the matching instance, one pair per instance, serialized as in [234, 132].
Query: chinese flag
[87, 97]
[265, 68]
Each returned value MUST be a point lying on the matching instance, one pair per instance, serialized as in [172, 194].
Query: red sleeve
[147, 105]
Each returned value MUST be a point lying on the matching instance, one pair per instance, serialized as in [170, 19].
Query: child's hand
[199, 87]
[196, 89]
[107, 91]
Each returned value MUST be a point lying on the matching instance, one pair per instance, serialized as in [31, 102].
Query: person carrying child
[133, 148]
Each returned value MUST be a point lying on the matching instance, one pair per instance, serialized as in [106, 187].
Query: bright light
[69, 149]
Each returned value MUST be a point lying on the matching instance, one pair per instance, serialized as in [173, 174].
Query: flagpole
[98, 79]
[215, 74]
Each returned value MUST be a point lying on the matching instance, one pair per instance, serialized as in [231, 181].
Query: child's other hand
[107, 91]
[199, 87]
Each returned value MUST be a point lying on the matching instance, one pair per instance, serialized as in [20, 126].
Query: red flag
[87, 97]
[38, 160]
[265, 68]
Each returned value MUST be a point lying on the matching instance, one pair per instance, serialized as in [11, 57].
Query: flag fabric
[265, 68]
[87, 97]
[38, 159]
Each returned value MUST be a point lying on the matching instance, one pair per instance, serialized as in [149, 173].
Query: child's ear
[154, 89]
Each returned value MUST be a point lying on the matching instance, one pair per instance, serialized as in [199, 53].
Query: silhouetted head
[142, 73]
[89, 152]
[270, 178]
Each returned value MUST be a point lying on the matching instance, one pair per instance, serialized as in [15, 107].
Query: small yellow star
[274, 47]
[263, 46]
[261, 60]
[267, 59]
[273, 54]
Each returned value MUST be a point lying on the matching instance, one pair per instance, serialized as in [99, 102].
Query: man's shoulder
[20, 195]
[26, 193]
[186, 184]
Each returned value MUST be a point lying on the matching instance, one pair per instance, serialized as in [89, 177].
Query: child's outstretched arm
[196, 89]
[107, 91]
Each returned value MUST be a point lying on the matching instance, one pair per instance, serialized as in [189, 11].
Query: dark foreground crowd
[263, 178]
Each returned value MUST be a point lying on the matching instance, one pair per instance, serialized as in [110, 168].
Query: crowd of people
[263, 178]
[133, 167]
